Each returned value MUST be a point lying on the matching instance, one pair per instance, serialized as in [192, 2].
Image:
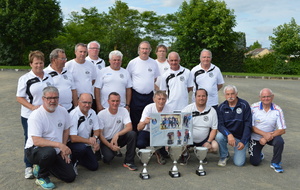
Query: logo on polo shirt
[48, 84]
[211, 75]
[149, 69]
[182, 78]
[166, 68]
[118, 121]
[205, 118]
[121, 76]
[239, 111]
[65, 77]
[59, 124]
[87, 72]
[99, 67]
[91, 122]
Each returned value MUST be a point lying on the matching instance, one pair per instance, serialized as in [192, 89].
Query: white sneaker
[223, 161]
[75, 168]
[28, 173]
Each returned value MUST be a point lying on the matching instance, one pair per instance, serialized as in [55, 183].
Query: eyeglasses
[51, 98]
[88, 103]
[63, 59]
[94, 48]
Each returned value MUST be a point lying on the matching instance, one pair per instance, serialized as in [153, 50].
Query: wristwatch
[209, 142]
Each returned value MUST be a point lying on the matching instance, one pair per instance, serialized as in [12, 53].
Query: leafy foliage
[255, 45]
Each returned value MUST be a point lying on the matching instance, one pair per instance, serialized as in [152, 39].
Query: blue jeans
[239, 157]
[25, 129]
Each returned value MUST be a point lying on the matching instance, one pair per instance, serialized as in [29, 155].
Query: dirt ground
[114, 176]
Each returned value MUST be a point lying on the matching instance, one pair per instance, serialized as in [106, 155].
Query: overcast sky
[256, 18]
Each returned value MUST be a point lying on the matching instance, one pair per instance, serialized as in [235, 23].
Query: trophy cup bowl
[200, 153]
[175, 153]
[144, 155]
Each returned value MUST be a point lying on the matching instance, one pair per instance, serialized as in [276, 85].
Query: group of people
[80, 111]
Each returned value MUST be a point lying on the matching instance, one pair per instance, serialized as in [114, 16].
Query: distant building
[258, 52]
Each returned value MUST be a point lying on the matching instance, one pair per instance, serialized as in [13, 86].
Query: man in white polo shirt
[93, 52]
[63, 80]
[83, 71]
[113, 78]
[177, 82]
[162, 63]
[205, 124]
[143, 71]
[268, 126]
[208, 76]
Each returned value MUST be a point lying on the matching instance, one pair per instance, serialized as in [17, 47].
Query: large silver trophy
[144, 155]
[175, 152]
[200, 153]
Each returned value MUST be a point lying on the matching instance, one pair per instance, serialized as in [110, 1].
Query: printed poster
[171, 129]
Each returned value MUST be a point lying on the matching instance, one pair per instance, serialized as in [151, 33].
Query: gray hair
[204, 50]
[88, 46]
[174, 53]
[115, 53]
[80, 44]
[266, 89]
[144, 42]
[54, 53]
[230, 87]
[50, 89]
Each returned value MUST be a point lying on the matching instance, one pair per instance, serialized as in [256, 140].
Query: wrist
[208, 142]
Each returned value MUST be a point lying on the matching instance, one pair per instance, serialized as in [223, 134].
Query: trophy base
[144, 176]
[200, 173]
[174, 174]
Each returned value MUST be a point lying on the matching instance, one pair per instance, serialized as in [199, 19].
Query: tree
[27, 25]
[203, 24]
[286, 39]
[255, 45]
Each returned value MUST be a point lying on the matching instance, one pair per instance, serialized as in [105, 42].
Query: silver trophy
[144, 155]
[200, 153]
[175, 152]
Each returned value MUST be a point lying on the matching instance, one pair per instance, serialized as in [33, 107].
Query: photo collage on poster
[171, 129]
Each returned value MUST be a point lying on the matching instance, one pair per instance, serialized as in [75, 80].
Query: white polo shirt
[99, 63]
[83, 127]
[83, 75]
[162, 67]
[112, 124]
[31, 88]
[64, 82]
[266, 121]
[110, 80]
[203, 123]
[151, 108]
[175, 83]
[47, 125]
[143, 73]
[208, 80]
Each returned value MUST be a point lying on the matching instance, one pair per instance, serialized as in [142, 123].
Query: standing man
[268, 126]
[143, 71]
[83, 71]
[143, 139]
[48, 132]
[82, 142]
[208, 76]
[93, 52]
[177, 82]
[63, 80]
[116, 132]
[113, 79]
[235, 125]
[205, 124]
[162, 63]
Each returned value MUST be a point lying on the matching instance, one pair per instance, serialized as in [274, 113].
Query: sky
[256, 18]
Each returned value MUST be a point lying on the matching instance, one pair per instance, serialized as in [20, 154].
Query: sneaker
[262, 156]
[75, 167]
[277, 167]
[28, 173]
[36, 170]
[205, 161]
[45, 183]
[160, 159]
[119, 154]
[184, 159]
[223, 161]
[131, 167]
